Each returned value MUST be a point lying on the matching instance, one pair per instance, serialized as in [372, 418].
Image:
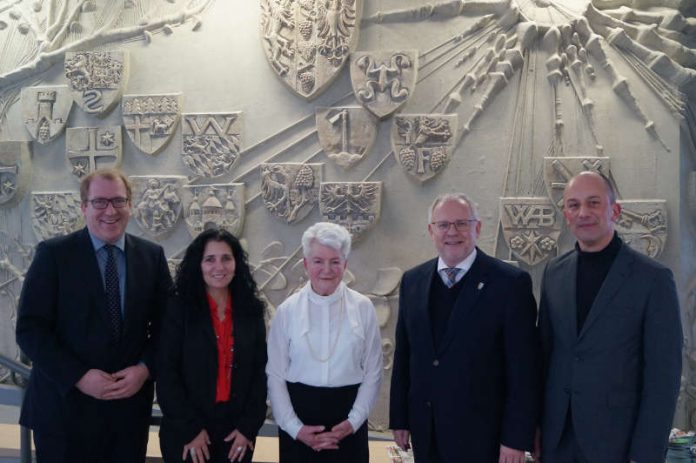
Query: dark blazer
[481, 387]
[63, 327]
[186, 383]
[621, 374]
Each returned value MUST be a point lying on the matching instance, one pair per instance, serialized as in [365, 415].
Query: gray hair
[461, 197]
[327, 234]
[611, 188]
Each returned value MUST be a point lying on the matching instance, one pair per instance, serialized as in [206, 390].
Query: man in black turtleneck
[611, 336]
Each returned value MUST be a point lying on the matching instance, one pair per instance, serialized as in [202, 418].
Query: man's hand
[508, 455]
[95, 383]
[127, 382]
[402, 438]
[316, 438]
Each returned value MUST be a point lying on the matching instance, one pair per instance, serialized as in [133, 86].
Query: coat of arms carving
[383, 80]
[423, 143]
[45, 111]
[355, 205]
[307, 42]
[96, 79]
[15, 171]
[216, 205]
[91, 148]
[55, 213]
[346, 134]
[643, 225]
[150, 120]
[558, 170]
[211, 142]
[290, 190]
[530, 227]
[156, 202]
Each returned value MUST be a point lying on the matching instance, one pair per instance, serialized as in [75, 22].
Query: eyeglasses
[459, 225]
[103, 203]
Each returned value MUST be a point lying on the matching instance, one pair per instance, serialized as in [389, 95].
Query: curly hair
[189, 284]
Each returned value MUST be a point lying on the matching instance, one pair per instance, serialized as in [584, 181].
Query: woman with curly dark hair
[211, 383]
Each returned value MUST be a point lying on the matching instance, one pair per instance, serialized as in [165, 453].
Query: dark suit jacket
[187, 366]
[621, 374]
[481, 387]
[63, 327]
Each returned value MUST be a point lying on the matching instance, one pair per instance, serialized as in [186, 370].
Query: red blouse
[225, 349]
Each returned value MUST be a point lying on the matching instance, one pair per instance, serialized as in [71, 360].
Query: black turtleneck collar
[592, 270]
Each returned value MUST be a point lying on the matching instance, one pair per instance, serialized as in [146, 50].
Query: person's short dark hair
[189, 284]
[108, 174]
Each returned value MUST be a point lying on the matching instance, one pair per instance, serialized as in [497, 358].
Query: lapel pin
[480, 286]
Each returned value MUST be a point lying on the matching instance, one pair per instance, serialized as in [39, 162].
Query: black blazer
[622, 372]
[63, 327]
[187, 365]
[481, 387]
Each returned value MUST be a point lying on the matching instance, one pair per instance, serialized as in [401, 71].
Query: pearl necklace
[332, 349]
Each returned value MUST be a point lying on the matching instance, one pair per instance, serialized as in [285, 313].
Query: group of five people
[477, 375]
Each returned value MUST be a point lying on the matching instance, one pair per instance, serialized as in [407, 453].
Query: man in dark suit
[88, 315]
[612, 339]
[465, 381]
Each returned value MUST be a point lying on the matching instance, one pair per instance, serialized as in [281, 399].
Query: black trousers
[107, 439]
[325, 406]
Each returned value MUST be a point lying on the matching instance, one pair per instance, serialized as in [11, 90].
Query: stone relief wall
[355, 113]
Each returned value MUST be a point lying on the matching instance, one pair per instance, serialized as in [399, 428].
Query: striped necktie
[451, 273]
[113, 291]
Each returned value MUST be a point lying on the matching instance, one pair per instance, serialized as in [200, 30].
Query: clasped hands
[120, 385]
[319, 439]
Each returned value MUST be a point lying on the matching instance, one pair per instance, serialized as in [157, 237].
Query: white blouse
[324, 341]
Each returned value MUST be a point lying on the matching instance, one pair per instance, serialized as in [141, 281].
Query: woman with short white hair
[324, 358]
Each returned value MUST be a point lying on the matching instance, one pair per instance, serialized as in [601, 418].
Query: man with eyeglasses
[465, 380]
[88, 319]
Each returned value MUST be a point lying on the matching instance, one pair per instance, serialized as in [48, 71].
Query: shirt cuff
[293, 428]
[355, 420]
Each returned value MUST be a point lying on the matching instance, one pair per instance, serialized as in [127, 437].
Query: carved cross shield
[15, 171]
[383, 80]
[557, 172]
[346, 134]
[45, 111]
[211, 142]
[290, 190]
[423, 143]
[531, 228]
[156, 202]
[307, 42]
[217, 205]
[96, 79]
[150, 120]
[91, 148]
[643, 225]
[55, 213]
[355, 205]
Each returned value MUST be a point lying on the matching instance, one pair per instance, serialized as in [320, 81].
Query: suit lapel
[474, 284]
[618, 273]
[422, 312]
[566, 282]
[131, 288]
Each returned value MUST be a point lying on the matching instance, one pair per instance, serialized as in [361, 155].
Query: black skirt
[325, 406]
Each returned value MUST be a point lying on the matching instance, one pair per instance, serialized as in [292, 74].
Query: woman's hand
[198, 448]
[316, 438]
[240, 445]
